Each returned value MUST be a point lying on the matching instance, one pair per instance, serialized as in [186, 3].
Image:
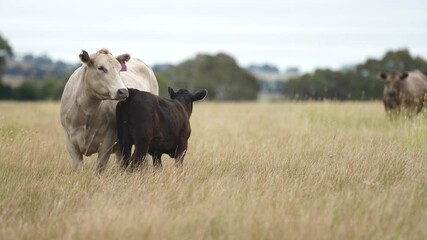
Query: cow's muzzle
[122, 94]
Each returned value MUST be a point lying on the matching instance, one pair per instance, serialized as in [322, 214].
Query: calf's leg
[126, 154]
[180, 153]
[126, 142]
[157, 160]
[141, 150]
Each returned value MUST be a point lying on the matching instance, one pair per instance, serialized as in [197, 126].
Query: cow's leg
[126, 155]
[124, 138]
[419, 108]
[420, 105]
[75, 153]
[157, 160]
[141, 150]
[147, 159]
[181, 151]
[126, 149]
[104, 153]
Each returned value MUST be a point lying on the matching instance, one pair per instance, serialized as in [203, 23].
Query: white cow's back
[140, 76]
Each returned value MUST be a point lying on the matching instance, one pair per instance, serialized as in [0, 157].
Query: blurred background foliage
[219, 74]
[359, 82]
[32, 77]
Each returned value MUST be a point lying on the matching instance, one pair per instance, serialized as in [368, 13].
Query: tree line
[360, 82]
[31, 90]
[219, 74]
[44, 79]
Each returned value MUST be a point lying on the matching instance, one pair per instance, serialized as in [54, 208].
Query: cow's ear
[199, 95]
[383, 76]
[84, 57]
[123, 58]
[171, 92]
[404, 76]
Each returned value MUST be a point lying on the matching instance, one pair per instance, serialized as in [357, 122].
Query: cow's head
[187, 98]
[102, 77]
[393, 84]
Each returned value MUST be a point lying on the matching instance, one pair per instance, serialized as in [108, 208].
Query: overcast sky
[307, 34]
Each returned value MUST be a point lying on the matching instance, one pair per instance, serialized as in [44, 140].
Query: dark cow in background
[404, 91]
[155, 125]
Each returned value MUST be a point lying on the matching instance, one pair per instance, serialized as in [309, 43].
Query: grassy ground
[321, 170]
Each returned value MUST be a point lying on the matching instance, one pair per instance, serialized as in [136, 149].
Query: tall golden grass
[314, 170]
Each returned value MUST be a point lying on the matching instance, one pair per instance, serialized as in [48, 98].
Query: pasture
[313, 170]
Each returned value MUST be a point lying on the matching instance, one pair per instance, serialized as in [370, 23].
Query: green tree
[163, 84]
[51, 89]
[5, 91]
[5, 51]
[46, 89]
[219, 74]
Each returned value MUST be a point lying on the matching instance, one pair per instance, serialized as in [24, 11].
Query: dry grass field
[314, 170]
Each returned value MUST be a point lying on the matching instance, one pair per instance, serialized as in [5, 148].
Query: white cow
[89, 101]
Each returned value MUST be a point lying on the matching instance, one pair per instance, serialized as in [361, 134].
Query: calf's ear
[171, 92]
[123, 58]
[84, 57]
[199, 95]
[404, 76]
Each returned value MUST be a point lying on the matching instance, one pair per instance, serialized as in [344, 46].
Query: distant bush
[219, 74]
[30, 90]
[5, 92]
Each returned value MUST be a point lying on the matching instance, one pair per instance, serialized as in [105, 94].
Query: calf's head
[187, 98]
[102, 79]
[393, 84]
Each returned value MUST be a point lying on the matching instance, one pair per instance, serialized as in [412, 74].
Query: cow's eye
[101, 68]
